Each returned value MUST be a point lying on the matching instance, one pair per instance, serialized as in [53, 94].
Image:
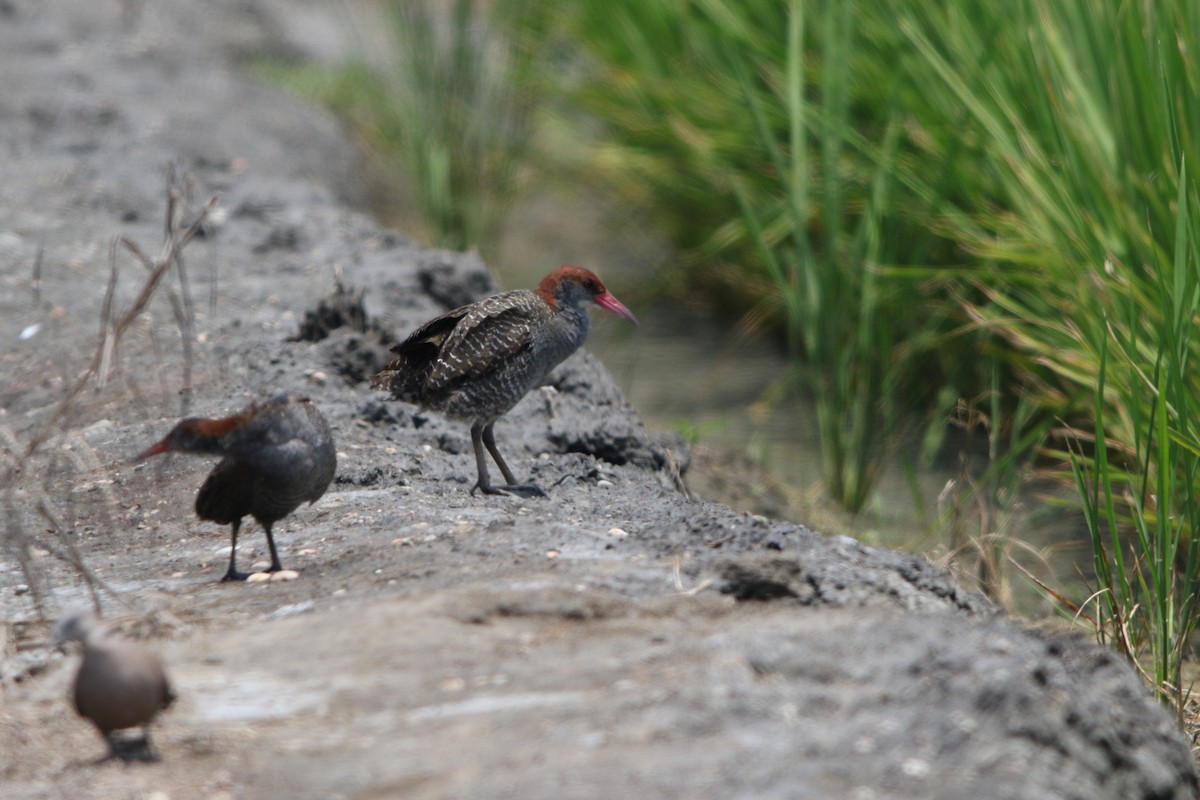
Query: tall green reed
[462, 113]
[830, 291]
[1084, 222]
[1147, 597]
[745, 127]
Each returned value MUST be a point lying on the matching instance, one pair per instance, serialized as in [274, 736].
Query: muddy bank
[618, 639]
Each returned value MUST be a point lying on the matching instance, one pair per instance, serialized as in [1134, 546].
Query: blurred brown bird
[475, 362]
[119, 684]
[278, 453]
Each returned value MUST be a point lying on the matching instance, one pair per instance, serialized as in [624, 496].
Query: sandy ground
[619, 639]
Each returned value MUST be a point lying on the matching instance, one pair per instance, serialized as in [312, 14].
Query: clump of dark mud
[353, 345]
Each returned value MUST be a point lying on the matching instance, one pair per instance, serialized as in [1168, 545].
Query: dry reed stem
[19, 458]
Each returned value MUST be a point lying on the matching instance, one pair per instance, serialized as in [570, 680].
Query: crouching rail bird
[475, 362]
[119, 684]
[277, 454]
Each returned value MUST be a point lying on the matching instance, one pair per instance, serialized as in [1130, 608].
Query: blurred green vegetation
[448, 113]
[1083, 238]
[931, 203]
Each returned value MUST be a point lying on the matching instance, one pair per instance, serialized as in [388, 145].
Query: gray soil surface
[615, 640]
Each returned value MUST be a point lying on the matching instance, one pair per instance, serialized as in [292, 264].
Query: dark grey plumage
[476, 362]
[119, 684]
[278, 454]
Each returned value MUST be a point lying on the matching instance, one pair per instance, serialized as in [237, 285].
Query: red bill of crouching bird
[477, 361]
[119, 684]
[278, 453]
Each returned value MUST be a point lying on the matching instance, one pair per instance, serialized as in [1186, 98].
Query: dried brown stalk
[19, 459]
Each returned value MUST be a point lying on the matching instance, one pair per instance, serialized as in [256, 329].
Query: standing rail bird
[119, 684]
[278, 453]
[475, 362]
